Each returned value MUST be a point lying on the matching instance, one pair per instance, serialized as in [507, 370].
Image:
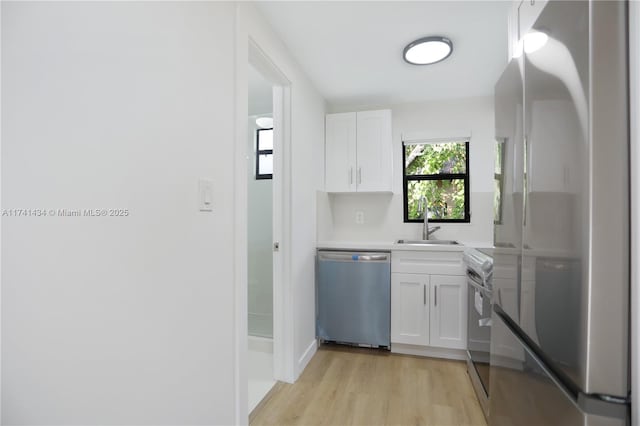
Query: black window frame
[439, 176]
[259, 152]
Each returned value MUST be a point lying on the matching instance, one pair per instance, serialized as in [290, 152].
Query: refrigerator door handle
[508, 322]
[599, 405]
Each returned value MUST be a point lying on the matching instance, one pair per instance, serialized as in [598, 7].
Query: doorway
[278, 319]
[260, 256]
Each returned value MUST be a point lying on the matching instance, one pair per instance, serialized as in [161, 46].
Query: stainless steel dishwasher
[353, 302]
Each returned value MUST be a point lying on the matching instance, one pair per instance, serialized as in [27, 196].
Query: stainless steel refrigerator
[560, 326]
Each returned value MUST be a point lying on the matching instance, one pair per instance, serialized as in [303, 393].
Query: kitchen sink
[428, 242]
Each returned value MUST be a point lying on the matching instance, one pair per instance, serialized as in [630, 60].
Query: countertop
[391, 245]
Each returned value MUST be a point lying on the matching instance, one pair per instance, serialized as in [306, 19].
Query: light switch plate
[205, 195]
[359, 217]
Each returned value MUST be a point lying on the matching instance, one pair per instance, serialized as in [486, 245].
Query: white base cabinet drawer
[427, 262]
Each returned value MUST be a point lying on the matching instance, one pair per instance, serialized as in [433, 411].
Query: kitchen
[379, 168]
[423, 306]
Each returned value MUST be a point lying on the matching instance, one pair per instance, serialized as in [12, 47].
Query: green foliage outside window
[439, 173]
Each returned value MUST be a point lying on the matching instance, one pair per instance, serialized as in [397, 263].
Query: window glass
[436, 158]
[266, 139]
[438, 173]
[264, 154]
[265, 164]
[445, 198]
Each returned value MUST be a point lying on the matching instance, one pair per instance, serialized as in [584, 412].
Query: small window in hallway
[264, 154]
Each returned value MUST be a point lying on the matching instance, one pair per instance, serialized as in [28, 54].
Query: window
[439, 172]
[498, 182]
[264, 154]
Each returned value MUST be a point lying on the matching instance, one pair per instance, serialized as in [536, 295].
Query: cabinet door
[410, 309]
[340, 151]
[448, 311]
[374, 154]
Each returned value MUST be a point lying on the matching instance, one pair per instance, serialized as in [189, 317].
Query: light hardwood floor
[350, 386]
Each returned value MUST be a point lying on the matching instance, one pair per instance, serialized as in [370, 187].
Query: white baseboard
[458, 354]
[306, 357]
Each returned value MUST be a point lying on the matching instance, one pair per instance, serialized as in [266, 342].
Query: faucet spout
[425, 217]
[426, 232]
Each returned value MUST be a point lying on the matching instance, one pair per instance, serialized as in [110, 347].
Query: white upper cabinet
[358, 152]
[374, 151]
[340, 146]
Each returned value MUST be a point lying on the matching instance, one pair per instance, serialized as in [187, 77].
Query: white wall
[260, 254]
[304, 177]
[383, 213]
[117, 320]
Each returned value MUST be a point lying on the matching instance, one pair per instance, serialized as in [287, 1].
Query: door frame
[283, 314]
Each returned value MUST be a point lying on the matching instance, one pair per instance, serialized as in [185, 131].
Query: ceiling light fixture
[428, 50]
[264, 122]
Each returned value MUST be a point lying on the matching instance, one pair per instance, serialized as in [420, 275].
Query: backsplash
[383, 219]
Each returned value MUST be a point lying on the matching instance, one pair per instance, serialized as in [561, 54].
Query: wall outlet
[359, 217]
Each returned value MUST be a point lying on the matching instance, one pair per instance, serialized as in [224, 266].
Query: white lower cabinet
[410, 309]
[448, 319]
[428, 302]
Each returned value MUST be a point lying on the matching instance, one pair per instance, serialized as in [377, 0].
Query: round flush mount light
[428, 50]
[264, 122]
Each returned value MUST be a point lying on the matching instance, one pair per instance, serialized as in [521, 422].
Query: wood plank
[353, 386]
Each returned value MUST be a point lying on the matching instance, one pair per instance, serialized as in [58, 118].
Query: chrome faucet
[422, 206]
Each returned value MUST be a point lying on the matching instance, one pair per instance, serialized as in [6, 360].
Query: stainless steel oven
[479, 271]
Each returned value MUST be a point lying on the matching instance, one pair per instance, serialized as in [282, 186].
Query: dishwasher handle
[354, 257]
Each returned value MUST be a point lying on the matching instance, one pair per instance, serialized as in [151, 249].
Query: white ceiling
[260, 93]
[352, 51]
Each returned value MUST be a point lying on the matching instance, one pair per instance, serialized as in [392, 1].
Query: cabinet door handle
[424, 294]
[435, 294]
[359, 175]
[351, 176]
